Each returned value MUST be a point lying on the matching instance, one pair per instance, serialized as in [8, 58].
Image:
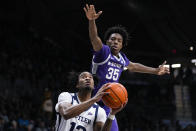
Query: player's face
[115, 42]
[85, 81]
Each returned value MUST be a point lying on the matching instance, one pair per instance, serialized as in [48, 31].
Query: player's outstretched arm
[137, 67]
[92, 16]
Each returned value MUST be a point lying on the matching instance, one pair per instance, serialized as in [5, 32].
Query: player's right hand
[101, 92]
[91, 13]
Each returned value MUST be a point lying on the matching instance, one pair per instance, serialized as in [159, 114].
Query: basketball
[117, 95]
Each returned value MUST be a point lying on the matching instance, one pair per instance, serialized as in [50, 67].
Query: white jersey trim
[101, 63]
[122, 59]
[118, 59]
[95, 65]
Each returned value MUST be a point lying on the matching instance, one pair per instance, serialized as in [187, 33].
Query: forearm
[95, 40]
[143, 69]
[92, 30]
[73, 111]
[107, 125]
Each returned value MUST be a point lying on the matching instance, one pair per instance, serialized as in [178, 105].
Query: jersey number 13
[73, 126]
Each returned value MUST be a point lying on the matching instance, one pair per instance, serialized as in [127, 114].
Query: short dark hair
[73, 78]
[72, 81]
[120, 30]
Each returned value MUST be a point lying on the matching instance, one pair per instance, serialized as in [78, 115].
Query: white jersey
[83, 122]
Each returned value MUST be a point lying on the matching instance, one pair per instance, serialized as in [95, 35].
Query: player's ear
[77, 85]
[107, 42]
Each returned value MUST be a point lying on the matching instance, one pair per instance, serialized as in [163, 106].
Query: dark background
[161, 30]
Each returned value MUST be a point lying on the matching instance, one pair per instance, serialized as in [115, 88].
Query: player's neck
[84, 95]
[116, 54]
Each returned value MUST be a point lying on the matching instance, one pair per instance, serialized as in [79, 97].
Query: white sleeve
[63, 97]
[101, 116]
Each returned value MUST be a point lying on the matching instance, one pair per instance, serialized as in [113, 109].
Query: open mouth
[114, 47]
[87, 83]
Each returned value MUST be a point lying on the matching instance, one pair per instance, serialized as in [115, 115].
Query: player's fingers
[122, 106]
[91, 7]
[106, 93]
[99, 13]
[125, 103]
[167, 70]
[85, 10]
[105, 88]
[101, 94]
[87, 6]
[164, 63]
[106, 85]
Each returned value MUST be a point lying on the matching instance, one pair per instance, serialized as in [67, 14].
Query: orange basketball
[117, 95]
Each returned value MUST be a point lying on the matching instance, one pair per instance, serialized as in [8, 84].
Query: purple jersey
[108, 67]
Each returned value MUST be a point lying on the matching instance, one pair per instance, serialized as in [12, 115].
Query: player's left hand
[114, 111]
[161, 70]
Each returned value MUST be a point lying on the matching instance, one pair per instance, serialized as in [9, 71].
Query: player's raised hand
[162, 69]
[91, 13]
[101, 92]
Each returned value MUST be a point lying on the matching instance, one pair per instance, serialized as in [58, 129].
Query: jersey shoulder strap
[96, 106]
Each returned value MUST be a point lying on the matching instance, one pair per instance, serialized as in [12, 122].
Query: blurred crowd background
[43, 43]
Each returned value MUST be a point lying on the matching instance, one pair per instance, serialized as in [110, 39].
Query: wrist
[111, 117]
[92, 21]
[156, 71]
[94, 99]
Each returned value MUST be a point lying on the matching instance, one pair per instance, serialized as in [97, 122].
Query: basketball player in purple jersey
[108, 62]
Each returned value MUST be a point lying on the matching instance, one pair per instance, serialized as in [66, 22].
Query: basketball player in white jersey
[80, 112]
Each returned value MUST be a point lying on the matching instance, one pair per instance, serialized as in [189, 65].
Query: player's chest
[87, 116]
[113, 63]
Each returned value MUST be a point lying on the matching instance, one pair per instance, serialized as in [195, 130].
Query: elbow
[132, 67]
[64, 113]
[66, 117]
